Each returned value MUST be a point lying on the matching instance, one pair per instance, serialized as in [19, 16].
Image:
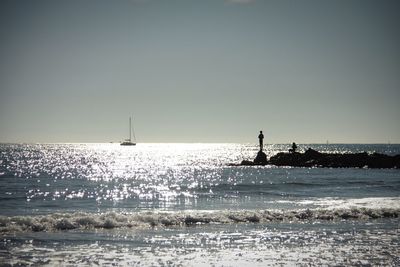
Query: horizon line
[239, 143]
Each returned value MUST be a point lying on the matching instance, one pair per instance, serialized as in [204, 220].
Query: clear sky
[200, 71]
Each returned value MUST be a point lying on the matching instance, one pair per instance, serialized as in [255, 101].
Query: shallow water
[347, 243]
[180, 204]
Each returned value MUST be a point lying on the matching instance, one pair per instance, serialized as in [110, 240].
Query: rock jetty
[260, 159]
[313, 158]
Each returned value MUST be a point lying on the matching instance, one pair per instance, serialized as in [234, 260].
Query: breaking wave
[79, 220]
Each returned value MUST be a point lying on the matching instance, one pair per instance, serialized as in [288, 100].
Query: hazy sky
[200, 71]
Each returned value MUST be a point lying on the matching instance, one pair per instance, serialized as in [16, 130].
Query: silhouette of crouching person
[293, 149]
[261, 140]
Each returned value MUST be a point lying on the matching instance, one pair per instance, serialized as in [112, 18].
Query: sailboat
[128, 142]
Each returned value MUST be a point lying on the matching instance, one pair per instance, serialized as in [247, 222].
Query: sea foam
[110, 220]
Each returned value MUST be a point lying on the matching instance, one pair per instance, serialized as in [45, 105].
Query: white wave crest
[69, 221]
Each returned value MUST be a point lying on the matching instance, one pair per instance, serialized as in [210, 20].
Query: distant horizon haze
[206, 143]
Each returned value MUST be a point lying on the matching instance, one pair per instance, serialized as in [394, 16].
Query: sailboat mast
[130, 129]
[128, 142]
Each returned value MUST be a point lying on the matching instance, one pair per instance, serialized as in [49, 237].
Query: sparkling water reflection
[182, 205]
[347, 244]
[44, 177]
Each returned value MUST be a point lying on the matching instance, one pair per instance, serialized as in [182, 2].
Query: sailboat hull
[128, 144]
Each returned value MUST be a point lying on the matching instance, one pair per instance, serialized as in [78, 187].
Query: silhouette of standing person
[261, 140]
[294, 147]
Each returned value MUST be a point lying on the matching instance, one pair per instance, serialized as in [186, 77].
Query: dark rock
[247, 163]
[261, 158]
[312, 158]
[311, 153]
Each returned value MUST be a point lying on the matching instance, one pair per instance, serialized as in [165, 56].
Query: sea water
[182, 205]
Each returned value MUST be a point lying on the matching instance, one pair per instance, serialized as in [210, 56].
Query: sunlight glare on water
[110, 172]
[182, 204]
[168, 176]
